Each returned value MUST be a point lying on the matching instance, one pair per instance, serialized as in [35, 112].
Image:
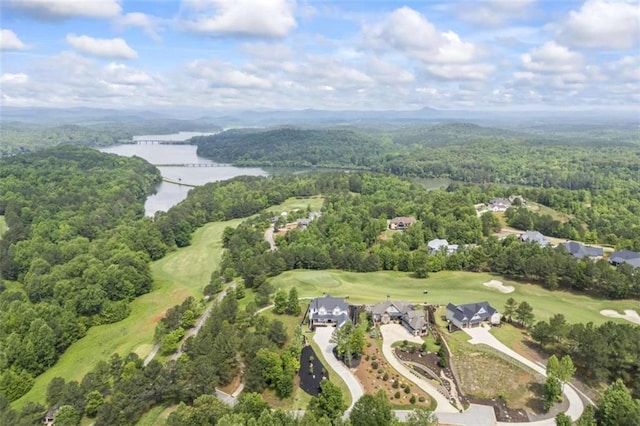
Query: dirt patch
[373, 379]
[158, 317]
[499, 286]
[629, 315]
[232, 386]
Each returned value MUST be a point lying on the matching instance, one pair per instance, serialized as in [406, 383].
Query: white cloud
[149, 24]
[442, 54]
[495, 12]
[8, 78]
[217, 74]
[103, 47]
[10, 41]
[387, 72]
[62, 9]
[267, 18]
[603, 24]
[121, 74]
[552, 58]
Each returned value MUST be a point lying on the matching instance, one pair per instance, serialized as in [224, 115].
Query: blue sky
[287, 54]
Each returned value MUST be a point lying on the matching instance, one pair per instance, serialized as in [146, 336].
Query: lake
[169, 194]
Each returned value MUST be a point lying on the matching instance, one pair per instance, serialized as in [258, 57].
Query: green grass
[157, 416]
[290, 322]
[294, 203]
[177, 276]
[448, 286]
[3, 226]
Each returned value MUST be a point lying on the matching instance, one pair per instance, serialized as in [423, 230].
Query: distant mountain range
[261, 118]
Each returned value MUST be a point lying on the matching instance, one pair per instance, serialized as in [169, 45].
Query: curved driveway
[392, 333]
[576, 407]
[322, 337]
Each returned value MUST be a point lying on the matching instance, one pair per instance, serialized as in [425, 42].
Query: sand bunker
[499, 286]
[629, 315]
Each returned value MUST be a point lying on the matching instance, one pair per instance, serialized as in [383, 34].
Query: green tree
[563, 420]
[280, 302]
[617, 407]
[421, 417]
[524, 314]
[373, 410]
[252, 404]
[588, 417]
[293, 304]
[566, 369]
[552, 392]
[329, 401]
[67, 415]
[510, 308]
[93, 403]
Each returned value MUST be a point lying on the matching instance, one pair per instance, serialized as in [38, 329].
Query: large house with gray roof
[440, 244]
[472, 314]
[580, 251]
[328, 311]
[403, 312]
[625, 256]
[536, 237]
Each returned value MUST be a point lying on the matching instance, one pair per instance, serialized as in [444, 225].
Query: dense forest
[598, 182]
[22, 137]
[351, 235]
[78, 245]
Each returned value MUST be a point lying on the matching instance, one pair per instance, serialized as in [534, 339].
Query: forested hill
[78, 248]
[294, 147]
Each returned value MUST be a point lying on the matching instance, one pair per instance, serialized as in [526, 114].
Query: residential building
[405, 313]
[625, 256]
[498, 204]
[579, 250]
[401, 223]
[440, 244]
[328, 311]
[536, 237]
[472, 314]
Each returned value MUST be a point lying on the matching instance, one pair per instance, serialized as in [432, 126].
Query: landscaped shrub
[386, 376]
[368, 344]
[380, 370]
[374, 357]
[412, 399]
[397, 395]
[424, 346]
[374, 365]
[367, 357]
[422, 399]
[407, 389]
[395, 384]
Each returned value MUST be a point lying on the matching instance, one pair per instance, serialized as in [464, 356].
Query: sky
[336, 55]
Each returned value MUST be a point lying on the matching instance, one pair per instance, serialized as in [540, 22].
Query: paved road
[393, 333]
[576, 407]
[322, 337]
[268, 236]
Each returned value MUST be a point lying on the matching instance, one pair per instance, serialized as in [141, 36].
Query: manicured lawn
[3, 225]
[448, 286]
[290, 322]
[294, 203]
[177, 276]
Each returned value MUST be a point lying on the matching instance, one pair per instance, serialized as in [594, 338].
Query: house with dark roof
[472, 314]
[440, 244]
[536, 237]
[401, 223]
[625, 256]
[579, 250]
[49, 417]
[328, 311]
[404, 313]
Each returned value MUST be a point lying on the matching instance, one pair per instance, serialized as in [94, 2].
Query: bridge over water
[154, 142]
[193, 165]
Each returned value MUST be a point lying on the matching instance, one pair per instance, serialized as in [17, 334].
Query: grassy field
[445, 287]
[3, 225]
[177, 276]
[157, 416]
[315, 203]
